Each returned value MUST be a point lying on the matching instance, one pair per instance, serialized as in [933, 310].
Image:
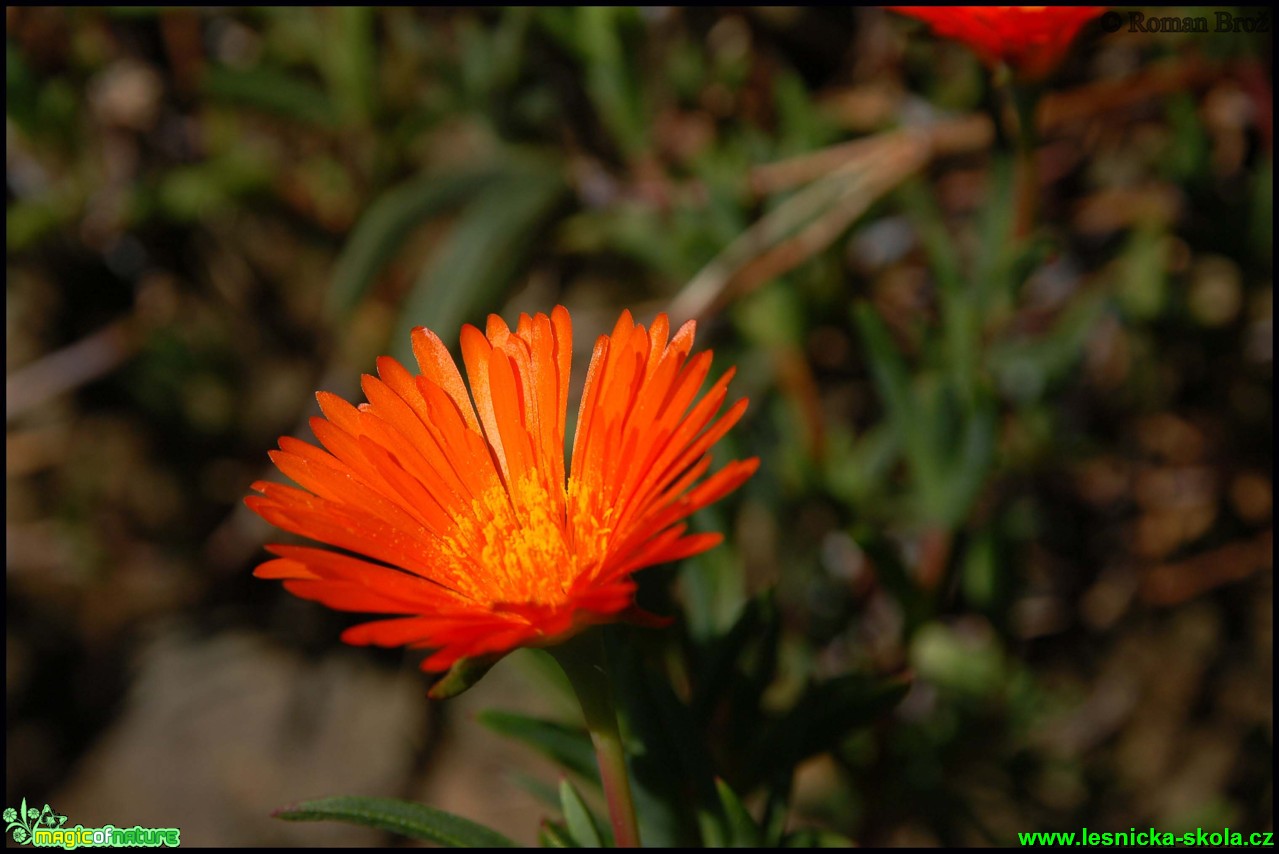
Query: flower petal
[456, 507]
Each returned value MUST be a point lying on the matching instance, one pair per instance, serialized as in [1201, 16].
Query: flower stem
[1019, 101]
[583, 661]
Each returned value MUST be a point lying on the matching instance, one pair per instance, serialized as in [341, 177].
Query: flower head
[464, 518]
[1031, 39]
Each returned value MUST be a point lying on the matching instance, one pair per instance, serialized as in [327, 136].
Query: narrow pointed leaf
[581, 824]
[670, 764]
[412, 820]
[892, 380]
[826, 713]
[387, 224]
[776, 812]
[272, 90]
[719, 657]
[743, 832]
[461, 676]
[568, 746]
[553, 835]
[538, 788]
[484, 252]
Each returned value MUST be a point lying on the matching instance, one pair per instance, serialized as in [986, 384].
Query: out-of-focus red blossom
[1031, 39]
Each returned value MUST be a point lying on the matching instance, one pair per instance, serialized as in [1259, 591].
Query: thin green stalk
[584, 663]
[1019, 100]
[1026, 181]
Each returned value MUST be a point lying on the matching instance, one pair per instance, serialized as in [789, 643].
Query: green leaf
[462, 675]
[537, 787]
[196, 191]
[491, 55]
[712, 583]
[886, 365]
[595, 34]
[772, 823]
[385, 226]
[856, 469]
[743, 832]
[992, 280]
[349, 60]
[822, 717]
[272, 90]
[741, 664]
[1026, 367]
[966, 463]
[541, 667]
[484, 252]
[811, 838]
[670, 764]
[565, 745]
[412, 820]
[946, 423]
[983, 580]
[581, 824]
[931, 226]
[892, 380]
[555, 835]
[1141, 272]
[716, 658]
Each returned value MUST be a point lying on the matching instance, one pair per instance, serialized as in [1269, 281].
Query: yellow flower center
[515, 547]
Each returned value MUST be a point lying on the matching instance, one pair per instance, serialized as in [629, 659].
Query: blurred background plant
[1007, 565]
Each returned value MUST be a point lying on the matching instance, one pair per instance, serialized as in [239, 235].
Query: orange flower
[1031, 39]
[472, 532]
